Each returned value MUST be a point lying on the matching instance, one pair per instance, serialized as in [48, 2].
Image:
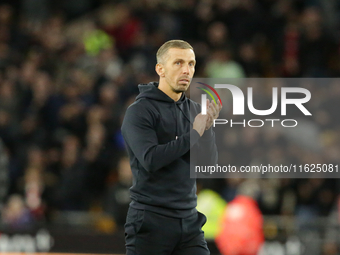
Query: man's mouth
[185, 80]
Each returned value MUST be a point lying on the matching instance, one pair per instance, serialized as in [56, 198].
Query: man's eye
[177, 63]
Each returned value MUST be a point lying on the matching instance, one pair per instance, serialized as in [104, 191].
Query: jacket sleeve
[139, 133]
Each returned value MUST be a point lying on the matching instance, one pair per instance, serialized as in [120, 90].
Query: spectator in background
[35, 11]
[217, 36]
[242, 223]
[315, 45]
[33, 190]
[291, 66]
[123, 26]
[118, 196]
[15, 214]
[98, 155]
[110, 66]
[4, 174]
[109, 99]
[71, 115]
[222, 65]
[71, 191]
[9, 99]
[213, 206]
[248, 58]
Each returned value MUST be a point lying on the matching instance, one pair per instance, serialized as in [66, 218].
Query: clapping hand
[213, 111]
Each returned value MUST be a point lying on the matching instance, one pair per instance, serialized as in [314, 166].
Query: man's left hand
[213, 111]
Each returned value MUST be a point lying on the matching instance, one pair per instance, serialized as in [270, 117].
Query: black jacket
[157, 131]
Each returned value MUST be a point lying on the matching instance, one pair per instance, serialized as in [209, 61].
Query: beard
[179, 88]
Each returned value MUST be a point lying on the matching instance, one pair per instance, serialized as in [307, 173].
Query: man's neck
[167, 90]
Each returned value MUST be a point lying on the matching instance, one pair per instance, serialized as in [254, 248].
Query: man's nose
[186, 69]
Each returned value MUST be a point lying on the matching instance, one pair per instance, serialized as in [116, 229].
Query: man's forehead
[175, 53]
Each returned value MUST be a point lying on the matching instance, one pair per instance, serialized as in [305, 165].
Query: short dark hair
[179, 44]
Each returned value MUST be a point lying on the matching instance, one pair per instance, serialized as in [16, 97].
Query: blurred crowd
[69, 69]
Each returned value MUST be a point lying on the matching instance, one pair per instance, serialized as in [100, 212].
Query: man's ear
[160, 70]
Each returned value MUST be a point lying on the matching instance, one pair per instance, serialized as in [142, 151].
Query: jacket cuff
[208, 134]
[194, 137]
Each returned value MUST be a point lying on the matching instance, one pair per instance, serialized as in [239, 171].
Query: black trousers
[149, 233]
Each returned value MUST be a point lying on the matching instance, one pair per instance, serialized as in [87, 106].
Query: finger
[217, 108]
[214, 108]
[210, 110]
[211, 116]
[219, 105]
[213, 111]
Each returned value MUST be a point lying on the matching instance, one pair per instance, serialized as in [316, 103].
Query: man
[159, 129]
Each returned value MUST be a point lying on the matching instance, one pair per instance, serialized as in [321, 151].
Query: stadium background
[69, 69]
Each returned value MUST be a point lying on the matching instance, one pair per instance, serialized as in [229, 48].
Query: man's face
[179, 68]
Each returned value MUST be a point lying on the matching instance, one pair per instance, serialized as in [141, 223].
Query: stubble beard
[180, 89]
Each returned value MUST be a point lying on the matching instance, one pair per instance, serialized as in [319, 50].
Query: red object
[242, 228]
[125, 34]
[291, 51]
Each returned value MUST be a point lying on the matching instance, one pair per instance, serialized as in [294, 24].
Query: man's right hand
[200, 123]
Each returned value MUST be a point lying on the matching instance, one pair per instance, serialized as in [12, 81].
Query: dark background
[69, 69]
